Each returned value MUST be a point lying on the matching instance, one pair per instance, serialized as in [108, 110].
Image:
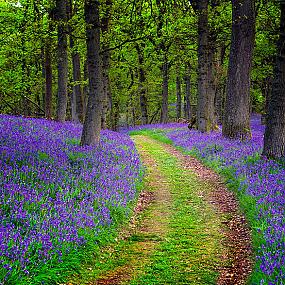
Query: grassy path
[180, 237]
[190, 253]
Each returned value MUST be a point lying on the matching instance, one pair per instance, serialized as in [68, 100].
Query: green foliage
[73, 141]
[43, 156]
[162, 30]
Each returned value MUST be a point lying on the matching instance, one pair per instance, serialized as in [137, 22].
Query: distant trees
[158, 61]
[274, 139]
[236, 122]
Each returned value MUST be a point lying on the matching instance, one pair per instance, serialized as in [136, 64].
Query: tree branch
[35, 104]
[122, 44]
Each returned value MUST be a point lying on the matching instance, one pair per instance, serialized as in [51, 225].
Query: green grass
[53, 272]
[185, 247]
[190, 254]
[156, 134]
[247, 203]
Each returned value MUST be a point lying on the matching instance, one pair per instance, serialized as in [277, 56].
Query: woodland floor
[187, 228]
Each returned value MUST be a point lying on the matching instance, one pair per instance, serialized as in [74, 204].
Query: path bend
[187, 228]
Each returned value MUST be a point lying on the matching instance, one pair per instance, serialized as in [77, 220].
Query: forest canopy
[138, 37]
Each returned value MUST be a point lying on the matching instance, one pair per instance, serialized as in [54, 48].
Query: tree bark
[164, 107]
[62, 67]
[92, 122]
[204, 116]
[178, 94]
[212, 86]
[142, 83]
[237, 105]
[274, 138]
[105, 88]
[187, 80]
[220, 86]
[105, 22]
[77, 94]
[85, 88]
[48, 82]
[266, 92]
[143, 100]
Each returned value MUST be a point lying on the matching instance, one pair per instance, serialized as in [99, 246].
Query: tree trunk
[85, 88]
[274, 138]
[266, 92]
[106, 62]
[164, 108]
[143, 100]
[111, 108]
[178, 94]
[92, 122]
[115, 114]
[237, 106]
[219, 102]
[77, 92]
[62, 67]
[212, 85]
[133, 112]
[106, 88]
[48, 82]
[142, 83]
[220, 85]
[204, 100]
[187, 103]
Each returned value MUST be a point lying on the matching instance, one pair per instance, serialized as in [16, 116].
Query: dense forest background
[150, 61]
[139, 38]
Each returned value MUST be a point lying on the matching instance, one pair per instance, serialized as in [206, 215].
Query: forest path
[187, 228]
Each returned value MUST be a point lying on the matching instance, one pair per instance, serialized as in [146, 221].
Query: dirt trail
[238, 238]
[151, 229]
[151, 224]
